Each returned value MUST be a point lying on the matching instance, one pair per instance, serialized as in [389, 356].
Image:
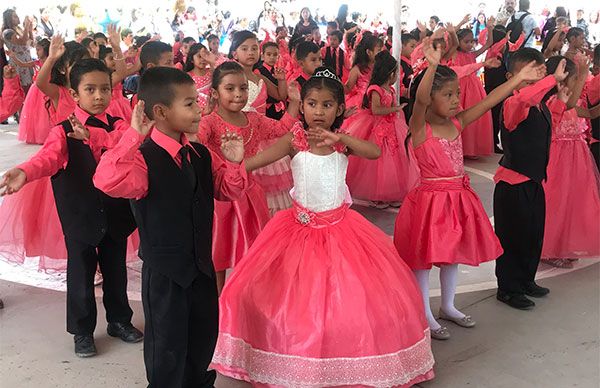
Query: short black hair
[86, 42]
[84, 67]
[523, 5]
[305, 48]
[152, 51]
[524, 55]
[405, 38]
[332, 25]
[99, 35]
[104, 51]
[157, 86]
[266, 45]
[188, 39]
[338, 34]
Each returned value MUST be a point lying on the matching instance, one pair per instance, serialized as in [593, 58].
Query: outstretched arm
[358, 147]
[281, 148]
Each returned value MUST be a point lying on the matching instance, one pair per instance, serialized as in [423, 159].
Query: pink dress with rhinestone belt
[304, 307]
[442, 220]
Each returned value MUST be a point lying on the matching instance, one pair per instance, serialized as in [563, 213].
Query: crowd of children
[248, 162]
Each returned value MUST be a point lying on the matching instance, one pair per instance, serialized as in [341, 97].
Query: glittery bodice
[440, 158]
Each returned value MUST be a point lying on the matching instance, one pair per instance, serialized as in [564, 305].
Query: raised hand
[465, 19]
[563, 94]
[209, 57]
[421, 26]
[114, 35]
[491, 22]
[438, 33]
[450, 28]
[9, 72]
[533, 72]
[583, 65]
[280, 74]
[492, 63]
[139, 120]
[57, 47]
[13, 180]
[322, 136]
[432, 54]
[561, 74]
[80, 132]
[232, 147]
[293, 91]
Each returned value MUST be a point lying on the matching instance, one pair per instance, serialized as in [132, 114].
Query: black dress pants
[182, 325]
[82, 262]
[519, 217]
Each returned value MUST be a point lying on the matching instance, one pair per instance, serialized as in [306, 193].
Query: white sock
[422, 276]
[448, 280]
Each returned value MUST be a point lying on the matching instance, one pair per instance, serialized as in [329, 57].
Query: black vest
[174, 220]
[86, 213]
[301, 80]
[332, 62]
[407, 72]
[527, 147]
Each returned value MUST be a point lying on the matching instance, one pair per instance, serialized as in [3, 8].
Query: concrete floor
[555, 345]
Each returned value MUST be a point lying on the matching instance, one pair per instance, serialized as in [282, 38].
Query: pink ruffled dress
[276, 178]
[442, 220]
[203, 83]
[572, 194]
[355, 96]
[304, 308]
[238, 223]
[478, 136]
[389, 177]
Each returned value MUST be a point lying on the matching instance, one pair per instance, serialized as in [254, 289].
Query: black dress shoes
[517, 301]
[84, 345]
[125, 331]
[533, 290]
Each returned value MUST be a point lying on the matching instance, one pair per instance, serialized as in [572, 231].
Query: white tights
[448, 279]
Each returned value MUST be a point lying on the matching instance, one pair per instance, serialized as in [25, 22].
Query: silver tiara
[326, 73]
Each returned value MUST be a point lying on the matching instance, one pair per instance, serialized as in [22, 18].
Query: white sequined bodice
[320, 181]
[253, 92]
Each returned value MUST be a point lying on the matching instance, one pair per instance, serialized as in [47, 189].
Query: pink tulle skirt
[119, 106]
[305, 308]
[391, 176]
[30, 227]
[572, 202]
[276, 181]
[477, 137]
[35, 122]
[236, 226]
[443, 222]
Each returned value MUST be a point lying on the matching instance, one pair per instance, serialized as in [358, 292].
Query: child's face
[185, 48]
[408, 48]
[213, 45]
[247, 53]
[94, 92]
[330, 29]
[184, 113]
[232, 93]
[39, 51]
[199, 61]
[467, 43]
[101, 41]
[316, 35]
[320, 108]
[374, 52]
[579, 15]
[577, 41]
[270, 56]
[166, 60]
[282, 34]
[334, 41]
[128, 40]
[311, 63]
[110, 62]
[445, 102]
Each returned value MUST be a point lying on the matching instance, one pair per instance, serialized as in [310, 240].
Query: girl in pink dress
[442, 221]
[305, 307]
[199, 64]
[34, 122]
[362, 67]
[276, 179]
[478, 137]
[572, 189]
[387, 179]
[237, 223]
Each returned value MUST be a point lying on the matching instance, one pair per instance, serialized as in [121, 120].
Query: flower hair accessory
[326, 73]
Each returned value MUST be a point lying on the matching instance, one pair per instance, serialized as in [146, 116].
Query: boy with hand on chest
[173, 184]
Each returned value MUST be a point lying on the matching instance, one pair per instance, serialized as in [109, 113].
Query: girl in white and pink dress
[199, 64]
[304, 308]
[276, 179]
[386, 180]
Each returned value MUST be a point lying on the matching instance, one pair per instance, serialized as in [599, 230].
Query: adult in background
[594, 27]
[550, 24]
[530, 27]
[582, 23]
[306, 23]
[45, 28]
[342, 18]
[479, 25]
[16, 40]
[505, 12]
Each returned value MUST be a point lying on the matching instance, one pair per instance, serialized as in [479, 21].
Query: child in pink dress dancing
[305, 307]
[477, 138]
[199, 64]
[442, 221]
[386, 180]
[12, 93]
[362, 67]
[238, 223]
[572, 193]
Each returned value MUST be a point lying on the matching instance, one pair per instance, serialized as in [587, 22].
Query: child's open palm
[9, 72]
[432, 54]
[13, 180]
[533, 72]
[139, 120]
[232, 147]
[294, 91]
[57, 47]
[114, 35]
[80, 132]
[561, 74]
[323, 136]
